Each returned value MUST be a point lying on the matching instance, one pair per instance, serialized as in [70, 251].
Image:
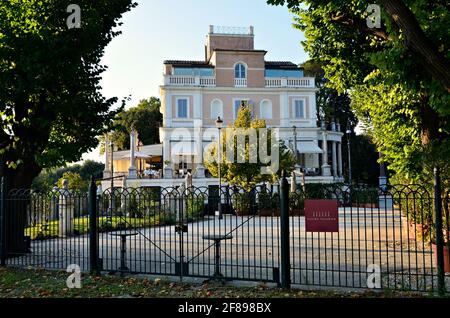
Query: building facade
[195, 93]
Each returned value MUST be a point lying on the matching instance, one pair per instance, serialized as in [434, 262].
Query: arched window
[240, 71]
[216, 109]
[265, 109]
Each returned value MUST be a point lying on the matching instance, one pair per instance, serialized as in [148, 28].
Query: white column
[334, 159]
[340, 159]
[132, 170]
[325, 166]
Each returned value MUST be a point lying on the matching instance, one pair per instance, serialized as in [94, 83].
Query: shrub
[194, 207]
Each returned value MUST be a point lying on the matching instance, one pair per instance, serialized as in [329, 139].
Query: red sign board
[321, 216]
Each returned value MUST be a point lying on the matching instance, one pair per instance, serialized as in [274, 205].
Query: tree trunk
[17, 206]
[437, 65]
[430, 123]
[21, 177]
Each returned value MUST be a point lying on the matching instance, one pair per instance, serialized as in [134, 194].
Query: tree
[331, 105]
[145, 118]
[334, 106]
[397, 75]
[48, 178]
[91, 168]
[51, 108]
[75, 182]
[248, 174]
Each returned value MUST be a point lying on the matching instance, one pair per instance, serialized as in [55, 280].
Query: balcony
[210, 81]
[178, 80]
[290, 82]
[240, 82]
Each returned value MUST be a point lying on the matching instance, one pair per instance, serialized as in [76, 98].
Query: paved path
[331, 259]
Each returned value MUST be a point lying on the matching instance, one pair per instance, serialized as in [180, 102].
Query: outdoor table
[217, 240]
[123, 248]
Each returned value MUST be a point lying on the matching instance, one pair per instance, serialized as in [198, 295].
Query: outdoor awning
[183, 148]
[137, 154]
[308, 147]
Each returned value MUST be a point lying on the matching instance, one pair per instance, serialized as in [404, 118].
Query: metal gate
[174, 231]
[399, 233]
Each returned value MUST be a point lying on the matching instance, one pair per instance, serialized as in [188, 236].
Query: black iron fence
[394, 237]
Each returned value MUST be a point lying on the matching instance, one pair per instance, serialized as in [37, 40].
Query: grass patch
[49, 230]
[50, 284]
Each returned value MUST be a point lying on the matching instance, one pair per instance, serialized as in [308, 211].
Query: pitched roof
[187, 63]
[281, 65]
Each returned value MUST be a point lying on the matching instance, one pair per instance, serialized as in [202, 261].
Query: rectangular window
[182, 108]
[299, 109]
[237, 105]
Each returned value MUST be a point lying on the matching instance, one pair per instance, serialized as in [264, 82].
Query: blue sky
[158, 30]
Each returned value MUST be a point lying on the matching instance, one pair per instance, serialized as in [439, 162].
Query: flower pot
[446, 257]
[269, 212]
[296, 212]
[415, 231]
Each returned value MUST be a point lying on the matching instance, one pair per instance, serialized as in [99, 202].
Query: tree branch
[437, 65]
[360, 24]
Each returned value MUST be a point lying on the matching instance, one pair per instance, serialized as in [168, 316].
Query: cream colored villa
[195, 93]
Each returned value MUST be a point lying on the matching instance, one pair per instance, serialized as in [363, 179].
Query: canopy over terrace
[145, 157]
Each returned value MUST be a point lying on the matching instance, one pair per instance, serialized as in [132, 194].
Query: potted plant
[416, 219]
[242, 203]
[446, 246]
[296, 204]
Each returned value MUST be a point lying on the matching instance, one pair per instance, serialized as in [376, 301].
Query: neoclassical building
[195, 93]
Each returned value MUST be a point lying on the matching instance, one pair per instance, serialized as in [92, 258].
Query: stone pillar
[132, 174]
[326, 169]
[340, 159]
[65, 211]
[334, 159]
[167, 170]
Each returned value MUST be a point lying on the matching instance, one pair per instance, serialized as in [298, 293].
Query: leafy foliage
[247, 174]
[48, 178]
[75, 182]
[396, 75]
[51, 108]
[145, 118]
[332, 106]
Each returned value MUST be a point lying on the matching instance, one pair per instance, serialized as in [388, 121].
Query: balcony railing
[290, 82]
[240, 82]
[178, 80]
[210, 81]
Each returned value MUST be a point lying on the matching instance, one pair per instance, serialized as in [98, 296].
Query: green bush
[267, 201]
[297, 200]
[194, 207]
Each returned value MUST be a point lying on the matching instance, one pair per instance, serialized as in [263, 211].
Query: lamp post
[111, 145]
[219, 124]
[349, 133]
